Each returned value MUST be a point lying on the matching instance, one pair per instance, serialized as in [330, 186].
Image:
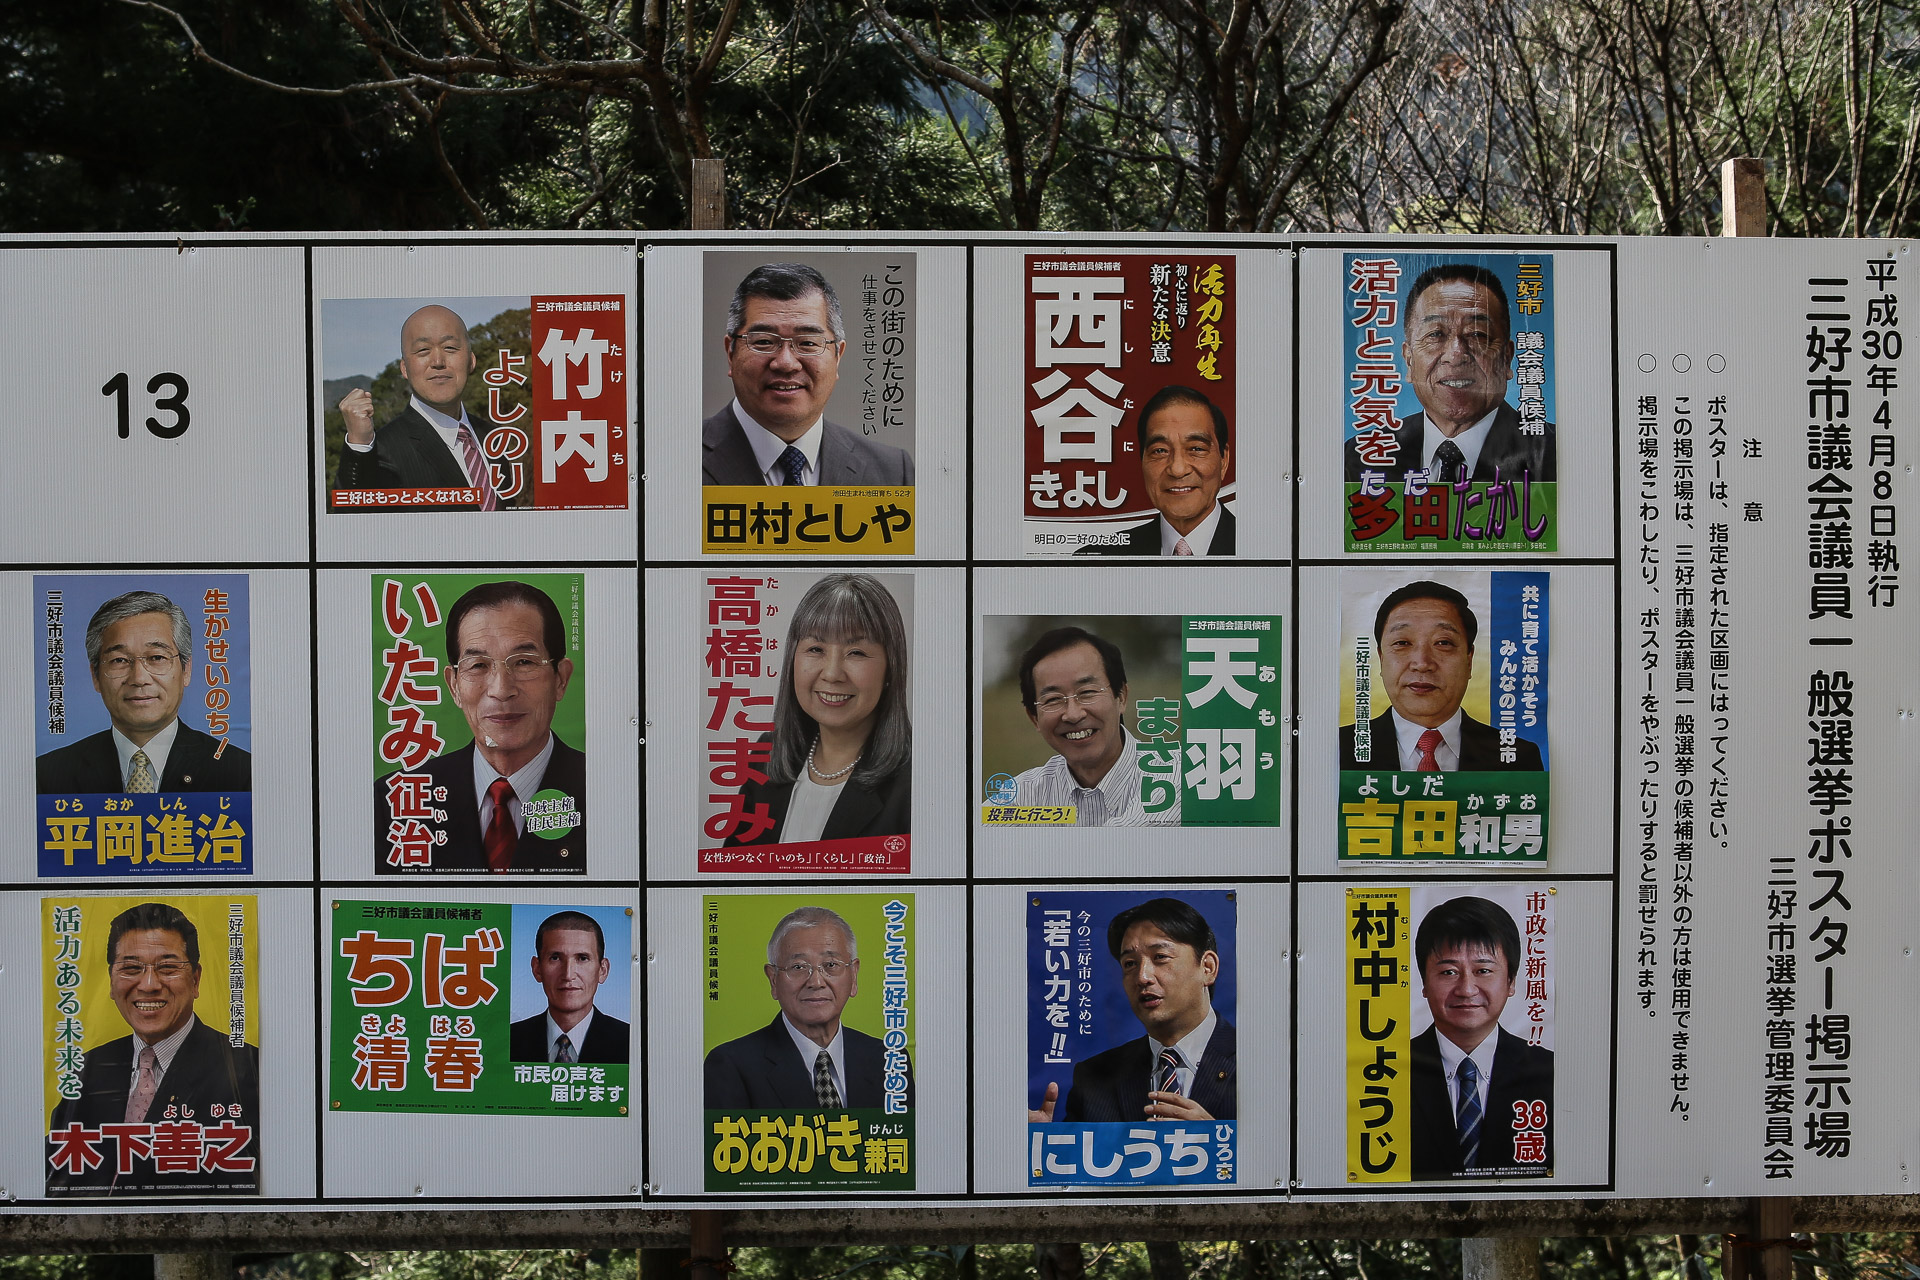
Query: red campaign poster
[1103, 337]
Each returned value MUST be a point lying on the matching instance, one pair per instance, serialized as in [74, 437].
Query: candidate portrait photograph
[1457, 354]
[142, 662]
[579, 1015]
[1186, 452]
[784, 417]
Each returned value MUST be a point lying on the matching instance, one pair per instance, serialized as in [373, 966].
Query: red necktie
[1429, 741]
[501, 837]
[477, 470]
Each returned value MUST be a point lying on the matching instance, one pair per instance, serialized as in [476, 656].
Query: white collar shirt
[1112, 802]
[1446, 755]
[576, 1035]
[1469, 442]
[767, 448]
[810, 1052]
[1199, 541]
[1452, 1055]
[1191, 1047]
[158, 748]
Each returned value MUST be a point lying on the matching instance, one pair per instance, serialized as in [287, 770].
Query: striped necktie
[1467, 1114]
[477, 471]
[1168, 1080]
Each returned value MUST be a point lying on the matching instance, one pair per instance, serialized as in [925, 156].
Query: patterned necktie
[142, 1096]
[1449, 464]
[794, 463]
[140, 777]
[1467, 1114]
[1428, 744]
[563, 1050]
[501, 837]
[823, 1091]
[477, 470]
[1181, 548]
[1169, 1081]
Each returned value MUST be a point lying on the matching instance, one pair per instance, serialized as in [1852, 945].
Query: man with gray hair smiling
[140, 654]
[784, 341]
[805, 1058]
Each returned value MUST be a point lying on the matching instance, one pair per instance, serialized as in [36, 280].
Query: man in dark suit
[1475, 1086]
[570, 964]
[1424, 634]
[507, 671]
[1185, 454]
[784, 341]
[140, 654]
[1184, 1067]
[173, 1069]
[431, 443]
[1458, 349]
[806, 1058]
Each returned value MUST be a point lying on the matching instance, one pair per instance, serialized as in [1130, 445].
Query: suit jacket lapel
[837, 463]
[856, 807]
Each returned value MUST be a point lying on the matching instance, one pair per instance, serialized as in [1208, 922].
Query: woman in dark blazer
[841, 762]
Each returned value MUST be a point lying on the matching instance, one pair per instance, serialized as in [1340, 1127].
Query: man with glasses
[805, 1059]
[514, 798]
[173, 1073]
[784, 341]
[1458, 349]
[140, 655]
[1073, 684]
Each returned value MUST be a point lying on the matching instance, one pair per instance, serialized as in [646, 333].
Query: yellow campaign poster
[1379, 1122]
[151, 1006]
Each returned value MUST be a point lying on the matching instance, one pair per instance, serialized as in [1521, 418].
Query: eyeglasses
[119, 667]
[768, 344]
[520, 668]
[165, 970]
[800, 970]
[1087, 699]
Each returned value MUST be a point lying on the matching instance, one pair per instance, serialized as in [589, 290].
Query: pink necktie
[1429, 742]
[142, 1096]
[477, 470]
[1181, 548]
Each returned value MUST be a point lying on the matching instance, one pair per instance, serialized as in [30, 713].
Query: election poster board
[822, 1096]
[476, 676]
[1132, 1077]
[142, 742]
[808, 737]
[129, 984]
[835, 382]
[435, 1012]
[1444, 751]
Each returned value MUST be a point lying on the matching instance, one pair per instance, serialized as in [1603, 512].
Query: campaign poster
[808, 732]
[462, 1007]
[1449, 433]
[1131, 1046]
[1135, 721]
[479, 689]
[1443, 740]
[808, 1030]
[143, 751]
[1130, 403]
[1449, 1061]
[152, 1012]
[809, 389]
[475, 404]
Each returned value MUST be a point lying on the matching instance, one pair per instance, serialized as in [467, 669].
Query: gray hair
[806, 918]
[838, 608]
[131, 605]
[784, 282]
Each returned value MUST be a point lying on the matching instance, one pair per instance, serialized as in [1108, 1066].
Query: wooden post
[1743, 197]
[192, 1266]
[1773, 1216]
[1500, 1258]
[709, 1242]
[708, 197]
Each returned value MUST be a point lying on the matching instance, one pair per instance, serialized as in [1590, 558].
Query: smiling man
[1185, 454]
[1073, 684]
[570, 964]
[1469, 1073]
[507, 670]
[784, 341]
[140, 654]
[431, 443]
[172, 1068]
[1424, 634]
[1458, 353]
[1184, 1067]
[806, 1058]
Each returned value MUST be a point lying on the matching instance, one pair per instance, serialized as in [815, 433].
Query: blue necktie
[1467, 1114]
[1169, 1081]
[795, 463]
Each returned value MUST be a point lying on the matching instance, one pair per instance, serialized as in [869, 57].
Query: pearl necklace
[822, 775]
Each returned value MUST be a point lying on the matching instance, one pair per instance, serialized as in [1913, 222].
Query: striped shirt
[1115, 802]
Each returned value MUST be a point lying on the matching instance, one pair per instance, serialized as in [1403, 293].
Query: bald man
[431, 443]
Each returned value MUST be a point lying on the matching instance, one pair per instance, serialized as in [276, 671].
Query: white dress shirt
[158, 748]
[1469, 442]
[810, 1050]
[1198, 541]
[576, 1036]
[1452, 1055]
[1117, 795]
[767, 448]
[1446, 755]
[1191, 1047]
